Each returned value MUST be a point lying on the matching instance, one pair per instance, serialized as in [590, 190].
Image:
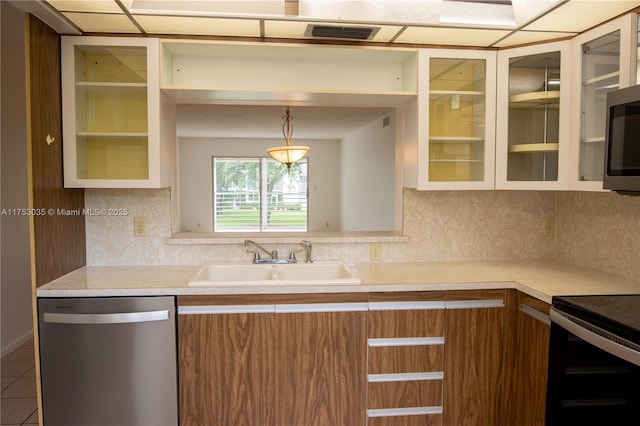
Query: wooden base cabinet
[438, 358]
[477, 358]
[272, 360]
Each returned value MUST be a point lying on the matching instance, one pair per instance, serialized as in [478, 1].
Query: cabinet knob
[49, 139]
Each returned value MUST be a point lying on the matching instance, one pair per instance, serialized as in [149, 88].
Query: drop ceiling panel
[208, 7]
[527, 37]
[527, 10]
[580, 15]
[381, 11]
[108, 6]
[102, 23]
[451, 36]
[296, 29]
[199, 26]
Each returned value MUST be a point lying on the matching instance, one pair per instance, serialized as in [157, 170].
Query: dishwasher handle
[112, 318]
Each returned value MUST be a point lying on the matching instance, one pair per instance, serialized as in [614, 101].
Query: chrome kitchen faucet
[274, 253]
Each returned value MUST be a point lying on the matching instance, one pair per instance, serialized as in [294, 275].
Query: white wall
[195, 183]
[15, 282]
[366, 155]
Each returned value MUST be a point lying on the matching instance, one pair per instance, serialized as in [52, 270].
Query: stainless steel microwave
[622, 141]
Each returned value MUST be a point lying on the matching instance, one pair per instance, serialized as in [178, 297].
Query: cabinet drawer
[413, 393]
[406, 359]
[406, 323]
[423, 420]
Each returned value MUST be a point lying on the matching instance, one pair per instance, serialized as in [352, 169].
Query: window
[259, 195]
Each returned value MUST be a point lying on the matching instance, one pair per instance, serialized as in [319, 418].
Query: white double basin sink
[330, 273]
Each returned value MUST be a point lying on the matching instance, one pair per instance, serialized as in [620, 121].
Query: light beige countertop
[541, 279]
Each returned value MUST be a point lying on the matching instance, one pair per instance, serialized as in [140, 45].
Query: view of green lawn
[235, 219]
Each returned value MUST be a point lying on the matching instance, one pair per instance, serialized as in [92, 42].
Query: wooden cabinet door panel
[406, 359]
[531, 363]
[474, 367]
[414, 393]
[226, 369]
[409, 323]
[423, 420]
[323, 368]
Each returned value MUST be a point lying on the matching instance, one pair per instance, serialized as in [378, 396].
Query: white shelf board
[293, 98]
[439, 94]
[456, 139]
[114, 134]
[534, 147]
[454, 161]
[595, 139]
[107, 87]
[603, 77]
[535, 98]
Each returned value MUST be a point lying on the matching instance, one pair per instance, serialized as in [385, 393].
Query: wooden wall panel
[59, 239]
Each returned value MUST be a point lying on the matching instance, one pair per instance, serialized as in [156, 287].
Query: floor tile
[6, 382]
[15, 368]
[33, 419]
[17, 410]
[24, 387]
[21, 353]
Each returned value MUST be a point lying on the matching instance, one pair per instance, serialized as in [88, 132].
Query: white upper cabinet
[112, 114]
[533, 117]
[449, 130]
[604, 59]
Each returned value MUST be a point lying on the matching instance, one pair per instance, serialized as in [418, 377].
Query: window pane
[254, 195]
[286, 197]
[237, 194]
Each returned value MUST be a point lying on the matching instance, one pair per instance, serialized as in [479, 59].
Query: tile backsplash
[600, 230]
[592, 229]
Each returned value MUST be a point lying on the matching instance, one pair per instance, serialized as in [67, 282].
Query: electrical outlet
[140, 226]
[548, 227]
[375, 251]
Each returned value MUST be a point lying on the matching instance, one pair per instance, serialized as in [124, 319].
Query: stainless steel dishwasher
[108, 361]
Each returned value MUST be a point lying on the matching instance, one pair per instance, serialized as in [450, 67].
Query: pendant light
[287, 154]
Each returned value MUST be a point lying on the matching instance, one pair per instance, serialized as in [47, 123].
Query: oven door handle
[598, 340]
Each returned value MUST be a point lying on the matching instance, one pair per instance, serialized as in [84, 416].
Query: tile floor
[18, 403]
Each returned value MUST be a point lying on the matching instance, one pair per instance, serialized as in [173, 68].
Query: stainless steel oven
[594, 361]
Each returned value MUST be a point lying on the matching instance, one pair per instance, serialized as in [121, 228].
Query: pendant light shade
[287, 154]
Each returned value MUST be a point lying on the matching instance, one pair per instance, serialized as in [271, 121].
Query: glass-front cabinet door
[603, 60]
[533, 117]
[455, 121]
[111, 112]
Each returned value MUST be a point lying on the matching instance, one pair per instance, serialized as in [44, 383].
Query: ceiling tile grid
[427, 22]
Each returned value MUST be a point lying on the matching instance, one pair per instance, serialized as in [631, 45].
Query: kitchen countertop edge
[541, 279]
